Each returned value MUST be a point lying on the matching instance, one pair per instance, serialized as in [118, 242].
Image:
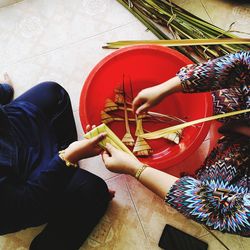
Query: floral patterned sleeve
[217, 205]
[229, 71]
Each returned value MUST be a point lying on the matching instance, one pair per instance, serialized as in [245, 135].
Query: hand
[120, 162]
[147, 98]
[150, 97]
[85, 148]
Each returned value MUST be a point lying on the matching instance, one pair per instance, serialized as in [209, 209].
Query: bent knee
[97, 186]
[93, 187]
[53, 89]
[51, 86]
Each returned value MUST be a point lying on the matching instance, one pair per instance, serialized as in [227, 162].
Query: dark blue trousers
[70, 201]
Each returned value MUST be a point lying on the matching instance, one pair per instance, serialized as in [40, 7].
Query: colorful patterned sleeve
[217, 205]
[232, 70]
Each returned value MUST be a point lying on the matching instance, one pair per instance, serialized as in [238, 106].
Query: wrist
[67, 162]
[140, 171]
[70, 155]
[135, 167]
[171, 86]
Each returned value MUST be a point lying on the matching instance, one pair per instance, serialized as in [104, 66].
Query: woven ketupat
[110, 138]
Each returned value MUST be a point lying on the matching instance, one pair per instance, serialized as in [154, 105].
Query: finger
[88, 128]
[105, 157]
[110, 148]
[142, 108]
[136, 103]
[98, 138]
[98, 150]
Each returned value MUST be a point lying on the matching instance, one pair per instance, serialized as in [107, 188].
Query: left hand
[120, 162]
[85, 148]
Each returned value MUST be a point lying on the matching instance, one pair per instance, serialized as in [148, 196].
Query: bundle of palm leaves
[169, 21]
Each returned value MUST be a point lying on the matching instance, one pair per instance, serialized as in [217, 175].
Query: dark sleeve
[43, 185]
[232, 70]
[218, 206]
[6, 93]
[29, 203]
[52, 178]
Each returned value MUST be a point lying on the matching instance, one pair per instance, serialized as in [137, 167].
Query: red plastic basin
[147, 66]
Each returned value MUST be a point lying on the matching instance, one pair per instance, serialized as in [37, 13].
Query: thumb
[110, 148]
[105, 157]
[143, 107]
[137, 102]
[98, 138]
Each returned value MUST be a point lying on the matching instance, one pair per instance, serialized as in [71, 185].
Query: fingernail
[102, 135]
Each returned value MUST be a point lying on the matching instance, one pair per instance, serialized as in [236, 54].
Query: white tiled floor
[61, 41]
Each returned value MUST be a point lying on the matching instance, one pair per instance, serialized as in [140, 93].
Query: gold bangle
[68, 163]
[140, 170]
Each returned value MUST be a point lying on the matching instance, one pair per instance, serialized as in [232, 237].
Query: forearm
[120, 162]
[157, 181]
[171, 86]
[229, 71]
[52, 178]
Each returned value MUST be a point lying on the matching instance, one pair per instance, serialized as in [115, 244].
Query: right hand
[147, 98]
[120, 162]
[150, 97]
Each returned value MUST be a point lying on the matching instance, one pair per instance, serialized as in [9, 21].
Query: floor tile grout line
[137, 212]
[203, 235]
[72, 44]
[242, 246]
[215, 237]
[112, 177]
[131, 197]
[204, 7]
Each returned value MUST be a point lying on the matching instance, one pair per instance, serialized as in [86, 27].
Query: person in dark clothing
[39, 183]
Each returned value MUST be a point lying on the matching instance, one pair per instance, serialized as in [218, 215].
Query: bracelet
[68, 163]
[140, 170]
